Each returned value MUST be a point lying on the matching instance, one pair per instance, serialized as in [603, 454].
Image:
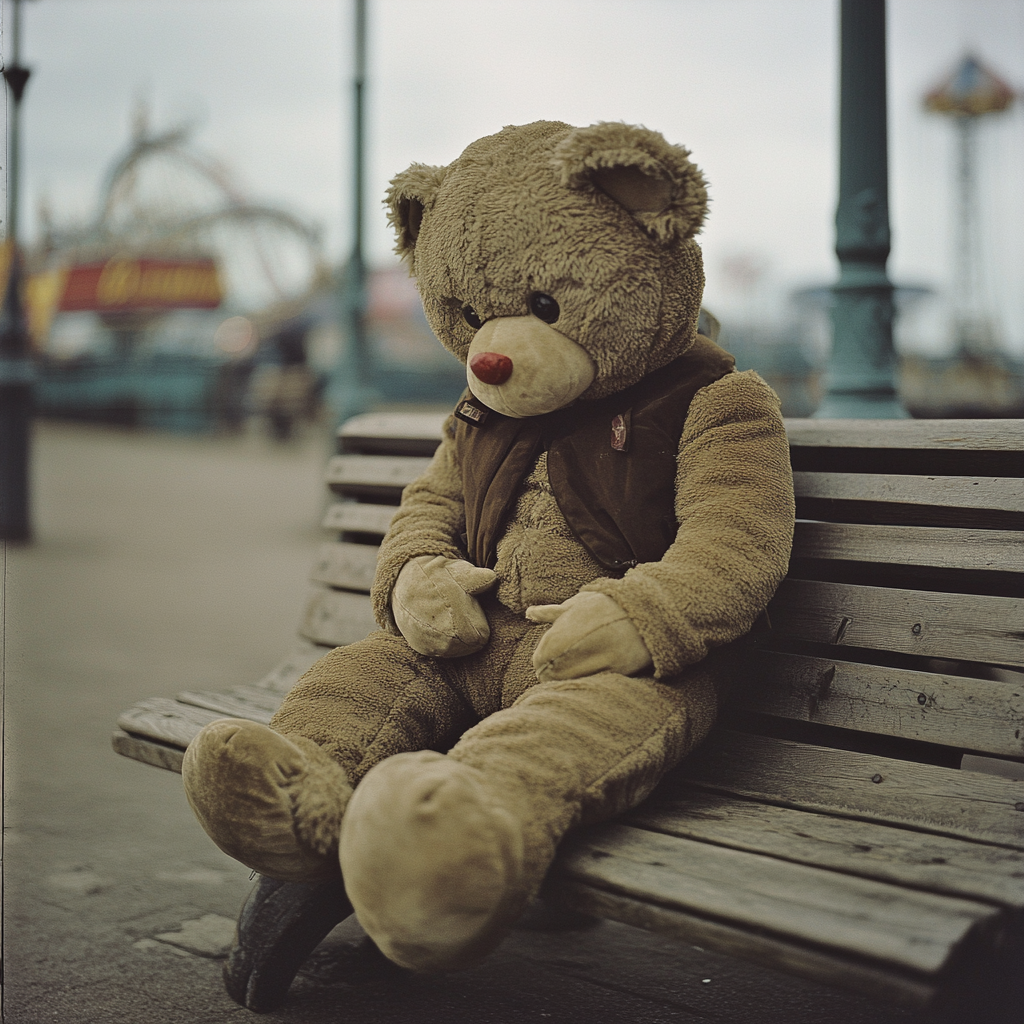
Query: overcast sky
[750, 86]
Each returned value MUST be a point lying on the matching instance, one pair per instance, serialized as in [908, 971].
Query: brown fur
[602, 218]
[518, 213]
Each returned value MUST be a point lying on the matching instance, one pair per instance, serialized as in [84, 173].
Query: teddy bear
[611, 501]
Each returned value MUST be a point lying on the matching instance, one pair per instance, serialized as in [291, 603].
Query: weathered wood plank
[359, 517]
[941, 547]
[972, 435]
[371, 474]
[147, 751]
[903, 989]
[249, 702]
[166, 720]
[965, 492]
[943, 435]
[925, 623]
[398, 425]
[897, 855]
[925, 797]
[337, 617]
[844, 914]
[341, 564]
[973, 714]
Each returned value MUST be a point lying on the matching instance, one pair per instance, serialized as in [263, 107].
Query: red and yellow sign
[141, 283]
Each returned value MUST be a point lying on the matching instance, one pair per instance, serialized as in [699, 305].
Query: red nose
[491, 368]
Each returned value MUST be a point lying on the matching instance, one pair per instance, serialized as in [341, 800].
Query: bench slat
[925, 623]
[423, 426]
[871, 920]
[995, 550]
[373, 474]
[925, 797]
[341, 564]
[964, 492]
[942, 435]
[941, 547]
[147, 751]
[359, 517]
[903, 989]
[166, 720]
[973, 714]
[239, 702]
[935, 863]
[157, 730]
[337, 617]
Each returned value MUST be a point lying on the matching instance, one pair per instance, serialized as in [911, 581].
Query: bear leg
[431, 861]
[272, 802]
[273, 798]
[374, 698]
[442, 853]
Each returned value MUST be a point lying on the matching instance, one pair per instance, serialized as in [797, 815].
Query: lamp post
[351, 389]
[357, 266]
[860, 378]
[16, 371]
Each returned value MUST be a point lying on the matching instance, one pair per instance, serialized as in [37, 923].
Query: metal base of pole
[860, 406]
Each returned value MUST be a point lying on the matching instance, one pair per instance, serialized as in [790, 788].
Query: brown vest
[611, 462]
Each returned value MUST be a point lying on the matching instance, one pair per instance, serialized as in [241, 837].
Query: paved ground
[162, 563]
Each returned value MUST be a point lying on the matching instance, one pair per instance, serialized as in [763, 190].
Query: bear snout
[491, 367]
[546, 369]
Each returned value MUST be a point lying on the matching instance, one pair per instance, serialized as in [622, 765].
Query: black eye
[543, 307]
[469, 315]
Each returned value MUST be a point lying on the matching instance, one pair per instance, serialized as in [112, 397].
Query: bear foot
[433, 864]
[271, 801]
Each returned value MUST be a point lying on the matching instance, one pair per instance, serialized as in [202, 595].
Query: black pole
[16, 370]
[861, 378]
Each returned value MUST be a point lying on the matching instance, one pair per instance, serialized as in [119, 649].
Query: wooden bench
[858, 816]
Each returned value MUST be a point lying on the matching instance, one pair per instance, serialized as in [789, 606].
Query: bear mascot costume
[611, 500]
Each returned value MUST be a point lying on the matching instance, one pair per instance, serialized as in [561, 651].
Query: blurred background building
[183, 305]
[162, 291]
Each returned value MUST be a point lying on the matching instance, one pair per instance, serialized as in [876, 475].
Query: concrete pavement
[163, 563]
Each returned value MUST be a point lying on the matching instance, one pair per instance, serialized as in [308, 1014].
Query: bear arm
[734, 503]
[429, 521]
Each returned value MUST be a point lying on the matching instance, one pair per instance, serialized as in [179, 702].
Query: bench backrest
[903, 612]
[900, 627]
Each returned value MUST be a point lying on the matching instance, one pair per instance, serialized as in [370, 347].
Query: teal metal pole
[357, 268]
[351, 389]
[16, 368]
[861, 375]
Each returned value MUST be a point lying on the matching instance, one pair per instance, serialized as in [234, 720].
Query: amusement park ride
[978, 379]
[172, 234]
[198, 303]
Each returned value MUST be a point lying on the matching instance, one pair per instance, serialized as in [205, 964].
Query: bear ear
[411, 192]
[653, 180]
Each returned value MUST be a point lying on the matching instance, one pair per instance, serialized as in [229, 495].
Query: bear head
[558, 263]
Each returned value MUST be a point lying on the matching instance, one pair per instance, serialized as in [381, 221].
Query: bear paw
[271, 801]
[432, 864]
